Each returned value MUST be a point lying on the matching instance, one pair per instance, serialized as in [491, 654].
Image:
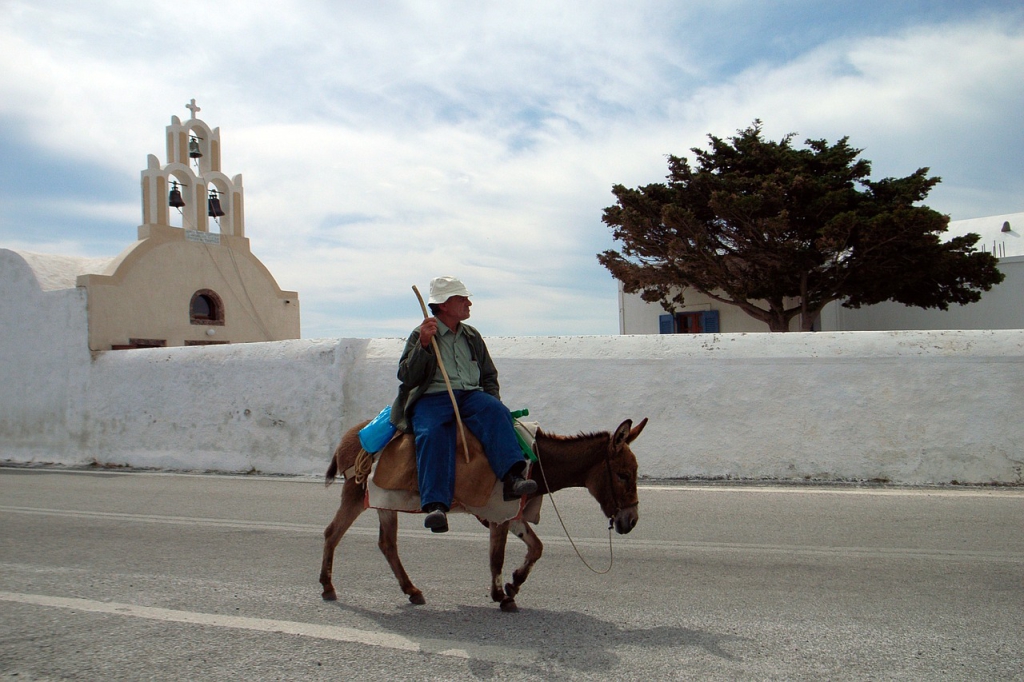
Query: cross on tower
[191, 106]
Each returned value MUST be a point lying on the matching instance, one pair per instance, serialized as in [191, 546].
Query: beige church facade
[187, 285]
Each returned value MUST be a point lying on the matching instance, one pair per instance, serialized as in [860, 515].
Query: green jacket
[417, 367]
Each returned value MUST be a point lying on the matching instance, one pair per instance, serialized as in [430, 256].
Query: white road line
[623, 544]
[874, 553]
[221, 523]
[341, 634]
[174, 520]
[659, 484]
[796, 489]
[331, 632]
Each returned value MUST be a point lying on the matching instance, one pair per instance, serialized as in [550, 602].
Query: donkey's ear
[621, 435]
[636, 431]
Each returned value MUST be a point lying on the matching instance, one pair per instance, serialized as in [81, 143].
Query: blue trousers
[433, 423]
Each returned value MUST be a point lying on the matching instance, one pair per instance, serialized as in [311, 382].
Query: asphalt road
[139, 576]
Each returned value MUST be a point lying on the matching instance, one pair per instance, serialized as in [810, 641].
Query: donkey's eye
[624, 478]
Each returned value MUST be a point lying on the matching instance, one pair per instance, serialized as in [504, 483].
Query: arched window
[206, 308]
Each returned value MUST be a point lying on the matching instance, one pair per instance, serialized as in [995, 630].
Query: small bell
[174, 198]
[213, 205]
[193, 148]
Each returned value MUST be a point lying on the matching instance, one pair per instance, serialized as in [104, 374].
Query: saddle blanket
[392, 483]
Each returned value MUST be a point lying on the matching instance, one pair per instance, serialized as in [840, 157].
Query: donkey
[599, 462]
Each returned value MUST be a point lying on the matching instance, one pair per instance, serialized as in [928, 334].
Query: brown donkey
[599, 462]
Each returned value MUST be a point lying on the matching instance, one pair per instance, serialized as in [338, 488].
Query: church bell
[174, 198]
[213, 204]
[193, 148]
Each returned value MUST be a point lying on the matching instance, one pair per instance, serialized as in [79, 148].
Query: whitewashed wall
[44, 363]
[909, 407]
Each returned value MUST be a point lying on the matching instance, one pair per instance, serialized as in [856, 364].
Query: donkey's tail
[359, 470]
[332, 470]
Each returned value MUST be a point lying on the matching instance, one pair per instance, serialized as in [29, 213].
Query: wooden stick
[444, 375]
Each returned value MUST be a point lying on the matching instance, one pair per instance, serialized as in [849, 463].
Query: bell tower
[192, 181]
[194, 285]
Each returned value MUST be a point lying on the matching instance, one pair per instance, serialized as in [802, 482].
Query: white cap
[443, 288]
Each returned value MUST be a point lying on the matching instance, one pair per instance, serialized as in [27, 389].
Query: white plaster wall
[910, 407]
[44, 363]
[271, 407]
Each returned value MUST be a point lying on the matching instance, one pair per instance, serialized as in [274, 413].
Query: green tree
[781, 232]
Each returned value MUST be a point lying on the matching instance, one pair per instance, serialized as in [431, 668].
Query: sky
[384, 143]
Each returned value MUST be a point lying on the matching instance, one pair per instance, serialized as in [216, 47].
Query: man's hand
[427, 331]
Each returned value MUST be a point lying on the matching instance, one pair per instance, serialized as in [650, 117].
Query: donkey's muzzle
[626, 519]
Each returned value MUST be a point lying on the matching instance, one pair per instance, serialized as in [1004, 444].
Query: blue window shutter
[709, 323]
[667, 324]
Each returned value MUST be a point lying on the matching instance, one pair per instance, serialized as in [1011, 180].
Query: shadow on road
[534, 638]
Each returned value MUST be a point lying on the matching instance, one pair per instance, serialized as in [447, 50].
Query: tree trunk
[805, 319]
[778, 322]
[811, 315]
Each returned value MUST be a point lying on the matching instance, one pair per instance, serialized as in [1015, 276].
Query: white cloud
[384, 143]
[910, 100]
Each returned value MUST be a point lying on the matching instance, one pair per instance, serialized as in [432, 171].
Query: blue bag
[378, 433]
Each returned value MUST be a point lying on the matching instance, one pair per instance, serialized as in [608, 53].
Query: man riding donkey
[425, 408]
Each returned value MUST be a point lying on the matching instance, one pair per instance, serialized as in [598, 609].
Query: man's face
[456, 307]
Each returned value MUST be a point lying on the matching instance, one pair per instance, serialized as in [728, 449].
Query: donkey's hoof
[511, 590]
[417, 598]
[330, 595]
[508, 605]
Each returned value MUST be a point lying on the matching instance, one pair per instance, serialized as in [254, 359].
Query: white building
[1000, 308]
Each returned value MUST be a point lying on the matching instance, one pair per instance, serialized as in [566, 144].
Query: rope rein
[611, 557]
